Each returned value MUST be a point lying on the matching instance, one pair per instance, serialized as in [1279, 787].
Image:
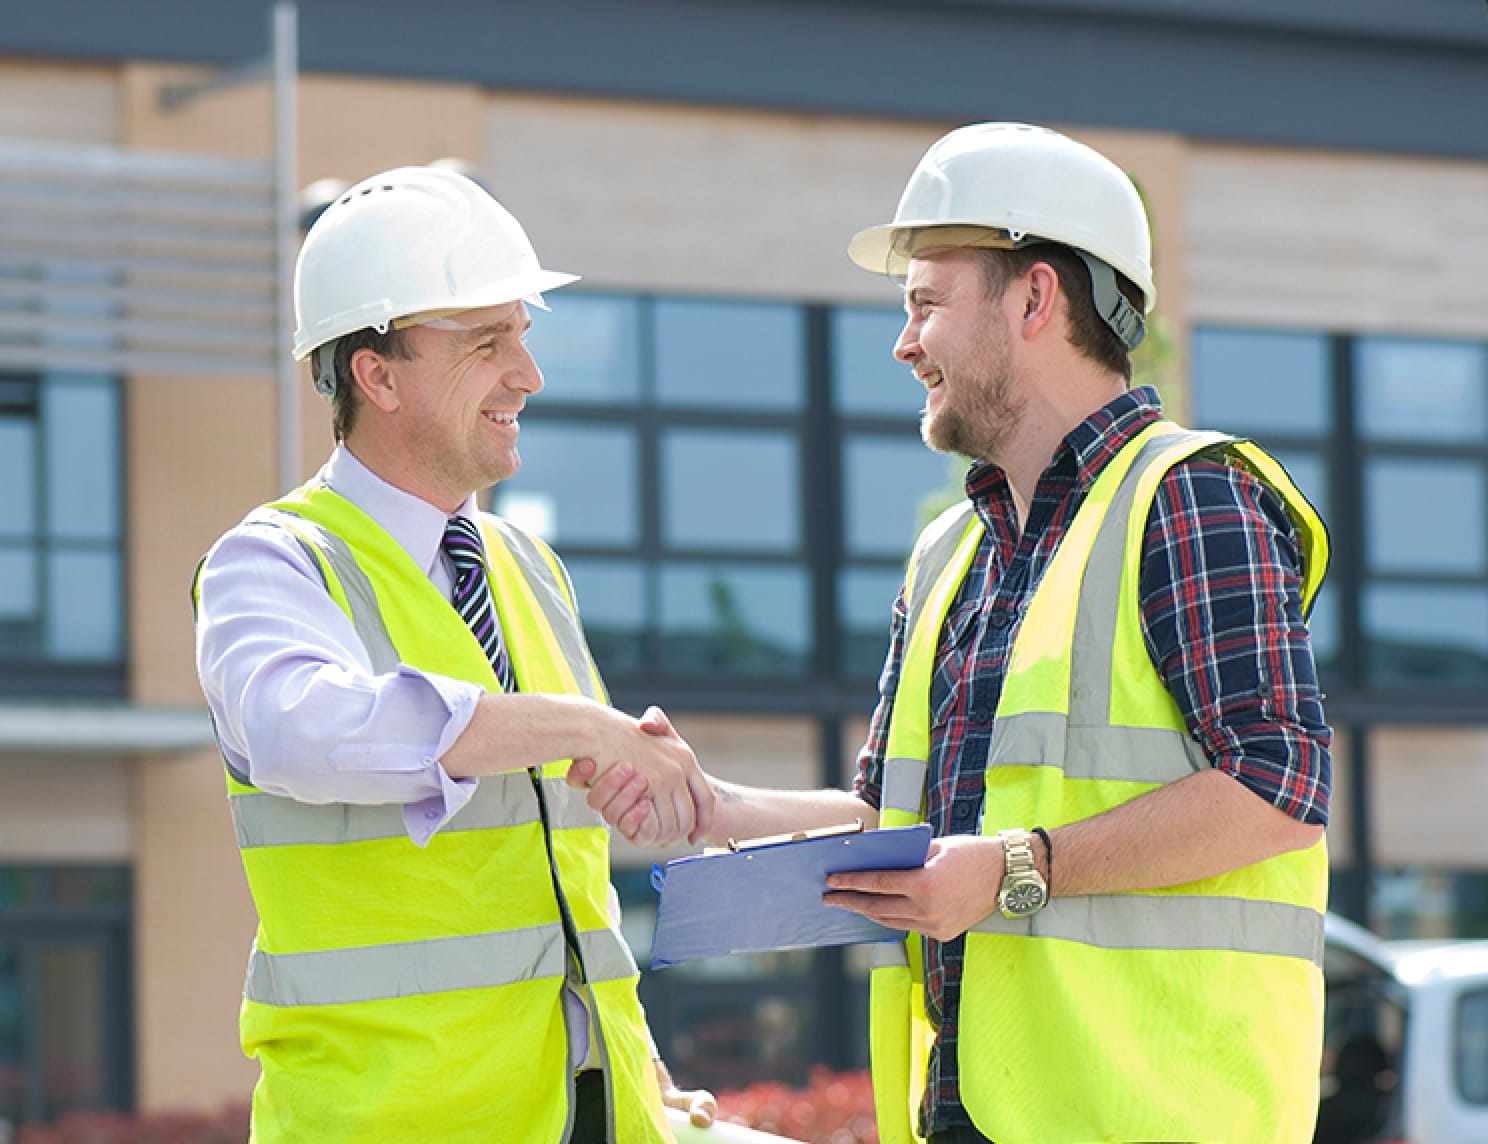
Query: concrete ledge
[88, 729]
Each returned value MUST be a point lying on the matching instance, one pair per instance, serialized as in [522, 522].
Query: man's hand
[956, 888]
[699, 1104]
[650, 804]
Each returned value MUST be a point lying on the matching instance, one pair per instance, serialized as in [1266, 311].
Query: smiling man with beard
[1100, 691]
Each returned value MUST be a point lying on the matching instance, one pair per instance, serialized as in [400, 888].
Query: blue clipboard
[760, 898]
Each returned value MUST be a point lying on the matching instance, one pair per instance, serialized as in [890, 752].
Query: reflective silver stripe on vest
[556, 607]
[903, 785]
[405, 969]
[888, 955]
[606, 956]
[441, 965]
[1117, 754]
[1173, 922]
[500, 801]
[1085, 744]
[1100, 591]
[366, 617]
[931, 559]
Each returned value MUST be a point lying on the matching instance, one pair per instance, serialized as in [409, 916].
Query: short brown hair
[1088, 332]
[345, 401]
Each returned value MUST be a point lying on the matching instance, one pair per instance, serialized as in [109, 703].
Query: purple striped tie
[472, 595]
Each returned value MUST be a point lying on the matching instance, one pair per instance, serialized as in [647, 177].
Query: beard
[979, 410]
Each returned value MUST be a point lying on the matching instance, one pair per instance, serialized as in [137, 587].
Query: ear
[1039, 296]
[375, 379]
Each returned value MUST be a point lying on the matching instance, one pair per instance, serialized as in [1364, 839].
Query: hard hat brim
[375, 315]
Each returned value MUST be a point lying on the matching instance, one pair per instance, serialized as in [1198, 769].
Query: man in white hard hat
[399, 682]
[1100, 691]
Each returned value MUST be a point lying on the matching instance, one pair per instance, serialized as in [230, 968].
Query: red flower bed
[836, 1108]
[225, 1126]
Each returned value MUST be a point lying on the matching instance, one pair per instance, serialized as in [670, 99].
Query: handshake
[647, 784]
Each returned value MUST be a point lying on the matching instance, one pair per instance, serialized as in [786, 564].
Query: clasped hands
[649, 786]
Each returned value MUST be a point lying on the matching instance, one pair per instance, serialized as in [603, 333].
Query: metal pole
[286, 230]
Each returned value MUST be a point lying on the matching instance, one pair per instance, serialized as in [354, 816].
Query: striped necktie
[472, 595]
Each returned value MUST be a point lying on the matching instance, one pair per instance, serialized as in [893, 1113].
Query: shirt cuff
[426, 817]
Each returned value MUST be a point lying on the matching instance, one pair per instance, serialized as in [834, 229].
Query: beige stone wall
[666, 198]
[62, 809]
[1428, 788]
[1338, 242]
[58, 103]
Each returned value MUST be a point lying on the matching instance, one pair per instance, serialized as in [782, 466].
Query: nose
[525, 376]
[907, 348]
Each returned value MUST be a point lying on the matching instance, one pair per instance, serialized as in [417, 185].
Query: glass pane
[1310, 473]
[21, 887]
[18, 598]
[83, 621]
[866, 377]
[1421, 391]
[80, 416]
[17, 479]
[734, 620]
[73, 1074]
[1424, 516]
[1472, 1047]
[888, 484]
[577, 484]
[89, 886]
[13, 1008]
[865, 599]
[1322, 625]
[1428, 635]
[588, 347]
[1252, 381]
[730, 489]
[612, 605]
[744, 355]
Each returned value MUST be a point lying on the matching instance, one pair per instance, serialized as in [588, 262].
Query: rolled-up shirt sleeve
[297, 705]
[1223, 618]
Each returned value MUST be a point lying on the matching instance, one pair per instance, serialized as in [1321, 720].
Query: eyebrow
[505, 326]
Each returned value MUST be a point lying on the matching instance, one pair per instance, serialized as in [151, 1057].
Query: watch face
[1023, 899]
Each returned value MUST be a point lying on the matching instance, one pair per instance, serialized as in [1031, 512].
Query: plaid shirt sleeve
[1221, 605]
[868, 784]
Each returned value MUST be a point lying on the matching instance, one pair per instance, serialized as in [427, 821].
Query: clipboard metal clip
[853, 827]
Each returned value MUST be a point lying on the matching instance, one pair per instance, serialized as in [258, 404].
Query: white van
[1405, 1056]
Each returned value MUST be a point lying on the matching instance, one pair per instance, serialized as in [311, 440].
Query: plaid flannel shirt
[1222, 616]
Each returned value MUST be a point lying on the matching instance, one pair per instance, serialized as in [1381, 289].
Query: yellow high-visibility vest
[400, 993]
[1190, 1013]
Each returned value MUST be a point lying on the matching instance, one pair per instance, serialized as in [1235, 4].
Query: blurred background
[725, 453]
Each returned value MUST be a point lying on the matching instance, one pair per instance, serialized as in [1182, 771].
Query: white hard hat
[1010, 185]
[410, 241]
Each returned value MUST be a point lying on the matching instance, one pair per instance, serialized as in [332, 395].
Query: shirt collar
[1089, 446]
[414, 523]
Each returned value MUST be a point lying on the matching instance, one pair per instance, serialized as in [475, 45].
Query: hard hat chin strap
[1111, 304]
[323, 367]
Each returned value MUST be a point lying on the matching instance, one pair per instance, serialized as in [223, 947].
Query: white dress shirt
[297, 705]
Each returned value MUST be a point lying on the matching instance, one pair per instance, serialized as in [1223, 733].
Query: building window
[1278, 389]
[664, 459]
[61, 561]
[65, 1041]
[705, 464]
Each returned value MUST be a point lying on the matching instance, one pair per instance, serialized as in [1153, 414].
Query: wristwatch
[1024, 892]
